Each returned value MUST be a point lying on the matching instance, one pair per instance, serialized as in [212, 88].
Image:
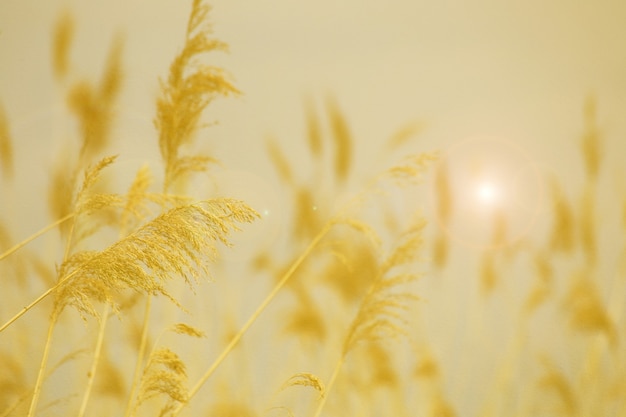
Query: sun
[483, 185]
[487, 193]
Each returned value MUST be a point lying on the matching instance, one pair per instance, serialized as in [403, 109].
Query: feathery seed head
[6, 146]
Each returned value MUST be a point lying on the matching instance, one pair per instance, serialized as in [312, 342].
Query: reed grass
[359, 309]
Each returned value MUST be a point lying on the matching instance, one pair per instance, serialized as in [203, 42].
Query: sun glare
[487, 193]
[484, 181]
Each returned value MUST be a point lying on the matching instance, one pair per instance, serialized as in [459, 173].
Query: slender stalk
[68, 244]
[140, 355]
[42, 367]
[96, 359]
[330, 384]
[53, 320]
[98, 350]
[254, 316]
[28, 307]
[9, 411]
[49, 290]
[37, 300]
[35, 236]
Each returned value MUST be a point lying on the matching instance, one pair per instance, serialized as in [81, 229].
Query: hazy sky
[517, 71]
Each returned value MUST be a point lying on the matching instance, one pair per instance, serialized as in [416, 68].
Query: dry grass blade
[586, 309]
[190, 87]
[499, 235]
[135, 209]
[562, 238]
[65, 201]
[403, 135]
[306, 380]
[445, 202]
[379, 318]
[231, 409]
[543, 283]
[408, 248]
[112, 383]
[488, 275]
[382, 367]
[61, 43]
[279, 161]
[179, 243]
[26, 392]
[361, 227]
[380, 314]
[13, 381]
[556, 383]
[9, 249]
[61, 191]
[198, 17]
[182, 328]
[444, 209]
[94, 105]
[165, 374]
[410, 172]
[85, 202]
[6, 146]
[194, 163]
[591, 143]
[428, 366]
[354, 269]
[440, 251]
[308, 219]
[306, 321]
[268, 299]
[342, 140]
[440, 407]
[69, 357]
[282, 408]
[111, 82]
[314, 134]
[93, 210]
[587, 224]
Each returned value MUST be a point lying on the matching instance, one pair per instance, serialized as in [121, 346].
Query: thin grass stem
[96, 359]
[130, 405]
[228, 349]
[42, 367]
[9, 411]
[34, 236]
[53, 320]
[330, 384]
[28, 307]
[37, 301]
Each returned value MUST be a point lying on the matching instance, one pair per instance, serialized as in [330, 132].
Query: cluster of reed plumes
[357, 310]
[545, 319]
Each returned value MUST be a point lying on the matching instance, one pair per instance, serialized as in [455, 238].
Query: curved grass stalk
[37, 300]
[329, 386]
[9, 411]
[130, 405]
[96, 359]
[268, 299]
[34, 236]
[53, 321]
[42, 367]
[19, 246]
[31, 305]
[176, 221]
[139, 185]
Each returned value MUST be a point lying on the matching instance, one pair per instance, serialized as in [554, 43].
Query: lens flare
[485, 185]
[487, 193]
